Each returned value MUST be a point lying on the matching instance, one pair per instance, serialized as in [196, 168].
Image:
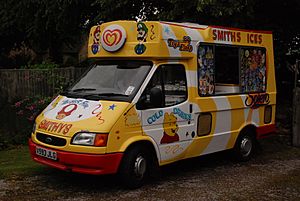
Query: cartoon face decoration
[170, 129]
[96, 40]
[97, 33]
[142, 33]
[66, 111]
[71, 110]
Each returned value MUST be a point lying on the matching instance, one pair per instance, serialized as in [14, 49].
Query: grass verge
[18, 161]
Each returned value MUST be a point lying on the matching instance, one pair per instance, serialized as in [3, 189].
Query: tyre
[135, 167]
[244, 146]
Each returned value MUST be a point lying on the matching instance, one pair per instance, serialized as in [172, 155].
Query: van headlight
[90, 139]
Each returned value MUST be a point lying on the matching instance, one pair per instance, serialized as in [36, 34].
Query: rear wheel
[244, 146]
[135, 166]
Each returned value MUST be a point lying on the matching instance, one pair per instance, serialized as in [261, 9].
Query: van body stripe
[168, 33]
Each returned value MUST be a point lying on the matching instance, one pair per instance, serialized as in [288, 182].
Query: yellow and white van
[157, 93]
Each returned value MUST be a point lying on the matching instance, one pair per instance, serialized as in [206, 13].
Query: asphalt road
[273, 174]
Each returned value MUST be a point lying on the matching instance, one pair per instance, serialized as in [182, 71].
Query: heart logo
[113, 38]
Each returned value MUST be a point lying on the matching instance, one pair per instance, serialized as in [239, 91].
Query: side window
[253, 69]
[167, 87]
[228, 69]
[227, 65]
[204, 124]
[175, 86]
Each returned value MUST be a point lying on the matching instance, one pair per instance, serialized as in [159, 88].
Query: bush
[30, 107]
[20, 119]
[16, 124]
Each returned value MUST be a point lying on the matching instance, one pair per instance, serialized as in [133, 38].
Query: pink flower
[18, 104]
[31, 118]
[41, 102]
[21, 112]
[31, 107]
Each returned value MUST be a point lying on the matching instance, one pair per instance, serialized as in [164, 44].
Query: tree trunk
[296, 110]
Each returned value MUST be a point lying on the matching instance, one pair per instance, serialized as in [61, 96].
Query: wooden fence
[20, 83]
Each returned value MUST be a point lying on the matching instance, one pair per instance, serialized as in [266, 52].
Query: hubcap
[140, 166]
[246, 146]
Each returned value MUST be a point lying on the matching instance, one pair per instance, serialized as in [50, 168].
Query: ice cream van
[159, 92]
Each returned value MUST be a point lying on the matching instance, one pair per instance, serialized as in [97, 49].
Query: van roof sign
[154, 39]
[113, 38]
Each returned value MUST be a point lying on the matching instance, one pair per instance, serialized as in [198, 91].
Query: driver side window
[167, 87]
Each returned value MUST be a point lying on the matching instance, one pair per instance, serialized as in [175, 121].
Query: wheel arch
[250, 127]
[245, 143]
[127, 168]
[144, 142]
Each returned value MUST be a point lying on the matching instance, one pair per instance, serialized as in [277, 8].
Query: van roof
[162, 39]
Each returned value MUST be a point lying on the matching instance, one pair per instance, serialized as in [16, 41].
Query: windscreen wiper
[76, 92]
[111, 94]
[103, 94]
[82, 89]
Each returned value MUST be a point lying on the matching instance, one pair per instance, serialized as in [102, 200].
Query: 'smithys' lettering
[55, 127]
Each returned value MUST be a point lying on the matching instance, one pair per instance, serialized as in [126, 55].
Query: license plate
[46, 153]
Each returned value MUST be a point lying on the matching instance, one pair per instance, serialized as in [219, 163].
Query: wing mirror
[155, 100]
[156, 97]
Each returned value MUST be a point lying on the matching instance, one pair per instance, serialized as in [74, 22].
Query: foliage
[30, 107]
[58, 82]
[50, 25]
[20, 119]
[42, 24]
[207, 11]
[44, 65]
[21, 55]
[125, 10]
[16, 125]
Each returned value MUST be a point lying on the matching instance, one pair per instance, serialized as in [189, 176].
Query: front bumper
[82, 163]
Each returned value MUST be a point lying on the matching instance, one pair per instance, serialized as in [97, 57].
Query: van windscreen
[111, 80]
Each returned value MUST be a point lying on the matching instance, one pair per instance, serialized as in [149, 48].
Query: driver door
[165, 111]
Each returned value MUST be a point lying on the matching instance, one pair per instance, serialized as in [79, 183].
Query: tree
[279, 16]
[207, 11]
[41, 24]
[45, 25]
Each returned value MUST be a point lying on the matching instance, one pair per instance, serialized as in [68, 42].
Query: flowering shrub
[16, 124]
[30, 107]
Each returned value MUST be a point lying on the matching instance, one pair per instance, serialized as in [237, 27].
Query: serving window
[227, 69]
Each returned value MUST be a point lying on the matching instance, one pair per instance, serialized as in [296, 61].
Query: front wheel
[244, 146]
[134, 168]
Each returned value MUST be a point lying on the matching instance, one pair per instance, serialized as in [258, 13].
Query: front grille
[51, 140]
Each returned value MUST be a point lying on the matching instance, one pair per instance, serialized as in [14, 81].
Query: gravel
[273, 174]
